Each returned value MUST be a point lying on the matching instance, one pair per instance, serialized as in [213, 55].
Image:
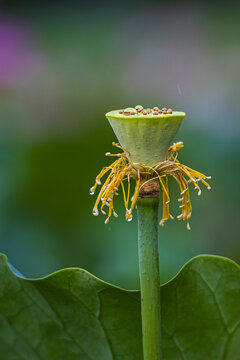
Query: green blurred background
[62, 67]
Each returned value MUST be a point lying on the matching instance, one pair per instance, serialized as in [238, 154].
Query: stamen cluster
[139, 110]
[123, 169]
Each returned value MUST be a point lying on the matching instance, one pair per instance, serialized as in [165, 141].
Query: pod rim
[115, 114]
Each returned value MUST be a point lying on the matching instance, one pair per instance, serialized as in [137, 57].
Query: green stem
[149, 277]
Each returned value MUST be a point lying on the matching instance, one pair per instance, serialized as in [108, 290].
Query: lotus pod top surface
[146, 137]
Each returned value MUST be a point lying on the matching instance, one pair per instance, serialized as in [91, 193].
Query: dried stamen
[123, 169]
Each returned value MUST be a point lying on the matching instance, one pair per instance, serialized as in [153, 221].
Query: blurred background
[63, 65]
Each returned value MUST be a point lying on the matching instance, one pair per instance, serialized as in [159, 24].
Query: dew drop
[91, 191]
[95, 212]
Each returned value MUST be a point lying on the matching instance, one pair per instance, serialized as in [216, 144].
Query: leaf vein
[216, 302]
[105, 331]
[64, 327]
[228, 341]
[21, 336]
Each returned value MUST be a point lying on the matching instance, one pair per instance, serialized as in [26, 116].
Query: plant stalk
[149, 277]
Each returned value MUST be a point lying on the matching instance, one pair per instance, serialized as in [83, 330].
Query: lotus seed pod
[147, 137]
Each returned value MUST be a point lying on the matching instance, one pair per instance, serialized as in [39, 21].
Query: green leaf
[73, 315]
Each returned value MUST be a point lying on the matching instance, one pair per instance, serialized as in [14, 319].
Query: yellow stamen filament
[165, 200]
[124, 197]
[164, 188]
[128, 193]
[135, 195]
[124, 169]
